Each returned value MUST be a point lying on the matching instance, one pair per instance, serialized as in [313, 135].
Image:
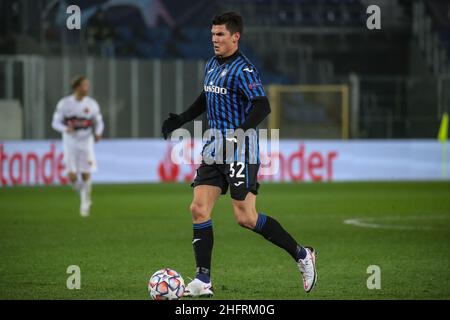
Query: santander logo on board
[29, 168]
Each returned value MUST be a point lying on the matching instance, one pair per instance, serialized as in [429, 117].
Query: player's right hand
[172, 123]
[70, 126]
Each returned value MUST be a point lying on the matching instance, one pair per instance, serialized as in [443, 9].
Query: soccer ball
[166, 284]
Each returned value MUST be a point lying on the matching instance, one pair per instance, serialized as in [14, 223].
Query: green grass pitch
[135, 230]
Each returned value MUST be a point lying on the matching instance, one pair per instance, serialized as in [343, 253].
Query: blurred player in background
[78, 118]
[234, 98]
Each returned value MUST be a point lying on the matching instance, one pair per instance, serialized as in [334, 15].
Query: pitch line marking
[370, 222]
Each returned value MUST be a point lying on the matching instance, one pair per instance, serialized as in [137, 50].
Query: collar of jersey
[228, 60]
[75, 98]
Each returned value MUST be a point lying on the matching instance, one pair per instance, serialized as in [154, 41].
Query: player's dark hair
[232, 21]
[76, 81]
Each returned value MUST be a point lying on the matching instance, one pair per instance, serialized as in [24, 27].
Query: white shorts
[79, 156]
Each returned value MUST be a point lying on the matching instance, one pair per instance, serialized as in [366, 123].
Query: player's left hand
[170, 124]
[97, 138]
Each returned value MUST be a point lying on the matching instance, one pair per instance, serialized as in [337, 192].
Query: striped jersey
[229, 88]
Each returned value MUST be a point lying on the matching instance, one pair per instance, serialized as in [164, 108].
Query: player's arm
[251, 86]
[175, 121]
[99, 124]
[261, 109]
[58, 120]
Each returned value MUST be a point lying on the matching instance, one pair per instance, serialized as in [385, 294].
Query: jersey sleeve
[58, 118]
[98, 118]
[250, 83]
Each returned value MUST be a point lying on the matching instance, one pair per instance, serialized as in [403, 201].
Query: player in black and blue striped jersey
[234, 100]
[230, 86]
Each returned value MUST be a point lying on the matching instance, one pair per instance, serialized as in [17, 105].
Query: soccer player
[233, 98]
[79, 120]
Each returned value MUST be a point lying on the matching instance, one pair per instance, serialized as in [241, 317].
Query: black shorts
[241, 177]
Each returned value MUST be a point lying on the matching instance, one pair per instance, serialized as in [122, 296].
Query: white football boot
[198, 288]
[308, 270]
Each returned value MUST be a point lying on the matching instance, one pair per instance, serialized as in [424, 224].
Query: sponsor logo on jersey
[247, 69]
[78, 123]
[215, 89]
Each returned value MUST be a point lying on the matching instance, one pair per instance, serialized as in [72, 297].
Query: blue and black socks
[271, 229]
[202, 243]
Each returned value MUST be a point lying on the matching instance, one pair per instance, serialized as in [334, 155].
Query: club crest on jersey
[224, 72]
[86, 110]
